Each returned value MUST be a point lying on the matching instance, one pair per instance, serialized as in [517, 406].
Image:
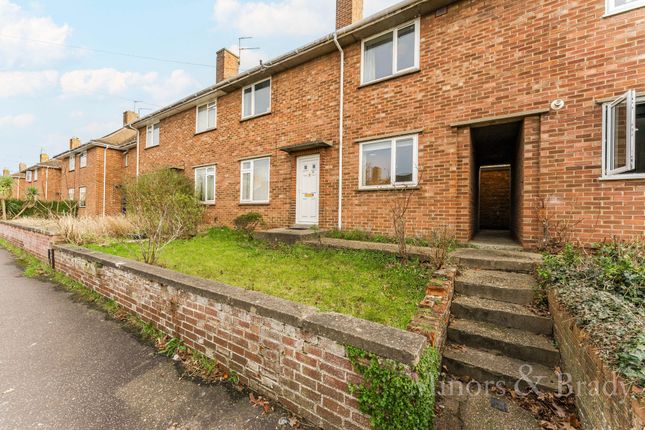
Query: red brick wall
[537, 52]
[604, 400]
[31, 240]
[295, 360]
[495, 198]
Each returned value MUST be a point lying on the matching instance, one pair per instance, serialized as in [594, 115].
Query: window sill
[623, 177]
[254, 204]
[150, 147]
[207, 203]
[208, 130]
[248, 118]
[618, 12]
[390, 188]
[388, 78]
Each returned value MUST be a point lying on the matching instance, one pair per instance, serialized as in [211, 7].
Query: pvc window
[206, 117]
[82, 160]
[389, 163]
[72, 163]
[254, 180]
[256, 99]
[205, 184]
[613, 7]
[624, 137]
[82, 195]
[152, 135]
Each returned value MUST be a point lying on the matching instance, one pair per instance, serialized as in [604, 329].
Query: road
[64, 365]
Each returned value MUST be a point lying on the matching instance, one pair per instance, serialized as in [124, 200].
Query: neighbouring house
[19, 182]
[44, 177]
[17, 178]
[505, 115]
[93, 172]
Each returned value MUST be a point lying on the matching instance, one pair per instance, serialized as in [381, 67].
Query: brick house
[18, 181]
[92, 173]
[44, 177]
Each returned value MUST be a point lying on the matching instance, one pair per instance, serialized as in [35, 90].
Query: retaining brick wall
[33, 240]
[599, 406]
[289, 352]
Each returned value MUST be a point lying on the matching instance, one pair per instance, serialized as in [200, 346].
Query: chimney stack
[44, 157]
[6, 172]
[22, 167]
[129, 117]
[228, 65]
[74, 142]
[348, 12]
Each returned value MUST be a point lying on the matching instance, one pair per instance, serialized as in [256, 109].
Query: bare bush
[399, 210]
[163, 207]
[85, 230]
[557, 223]
[442, 241]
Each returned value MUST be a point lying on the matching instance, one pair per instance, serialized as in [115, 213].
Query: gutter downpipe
[104, 175]
[46, 183]
[341, 128]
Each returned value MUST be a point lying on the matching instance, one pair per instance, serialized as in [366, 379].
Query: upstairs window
[82, 195]
[254, 181]
[206, 117]
[152, 135]
[624, 137]
[35, 175]
[126, 159]
[205, 184]
[389, 163]
[618, 6]
[256, 99]
[391, 53]
[72, 162]
[28, 175]
[82, 160]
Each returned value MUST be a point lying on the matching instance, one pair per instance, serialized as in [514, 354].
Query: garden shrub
[40, 209]
[248, 222]
[393, 395]
[604, 291]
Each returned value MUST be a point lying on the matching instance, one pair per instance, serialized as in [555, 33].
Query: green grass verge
[366, 284]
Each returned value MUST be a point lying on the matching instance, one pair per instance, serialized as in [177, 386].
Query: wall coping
[31, 228]
[387, 342]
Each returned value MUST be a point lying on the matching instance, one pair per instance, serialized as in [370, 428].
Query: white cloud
[26, 83]
[166, 90]
[22, 36]
[20, 120]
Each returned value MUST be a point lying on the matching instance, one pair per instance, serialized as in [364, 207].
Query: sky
[60, 76]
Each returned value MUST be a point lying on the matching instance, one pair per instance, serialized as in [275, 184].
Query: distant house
[44, 177]
[499, 115]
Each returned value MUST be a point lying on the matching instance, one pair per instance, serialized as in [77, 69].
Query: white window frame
[72, 163]
[71, 194]
[251, 200]
[252, 86]
[608, 110]
[35, 175]
[82, 160]
[209, 106]
[205, 168]
[126, 159]
[612, 9]
[395, 42]
[82, 192]
[150, 133]
[393, 184]
[28, 176]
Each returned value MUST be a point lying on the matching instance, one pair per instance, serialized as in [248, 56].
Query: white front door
[307, 189]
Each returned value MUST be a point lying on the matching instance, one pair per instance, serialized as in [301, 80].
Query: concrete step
[492, 259]
[509, 315]
[488, 367]
[492, 284]
[514, 343]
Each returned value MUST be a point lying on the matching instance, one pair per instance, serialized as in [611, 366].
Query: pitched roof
[120, 137]
[52, 164]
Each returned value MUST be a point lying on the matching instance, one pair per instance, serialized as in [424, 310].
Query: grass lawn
[365, 284]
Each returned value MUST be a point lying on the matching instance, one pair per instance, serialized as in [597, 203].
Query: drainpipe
[340, 131]
[104, 175]
[46, 183]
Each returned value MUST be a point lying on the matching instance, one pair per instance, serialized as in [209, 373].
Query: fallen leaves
[260, 402]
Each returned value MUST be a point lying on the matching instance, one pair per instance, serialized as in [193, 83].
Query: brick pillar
[348, 12]
[463, 193]
[228, 65]
[528, 227]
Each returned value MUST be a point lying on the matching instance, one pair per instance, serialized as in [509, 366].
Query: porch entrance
[307, 189]
[497, 173]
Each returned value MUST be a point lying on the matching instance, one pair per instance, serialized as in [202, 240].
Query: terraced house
[504, 115]
[44, 177]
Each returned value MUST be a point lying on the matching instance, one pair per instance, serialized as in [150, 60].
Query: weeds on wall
[395, 396]
[605, 291]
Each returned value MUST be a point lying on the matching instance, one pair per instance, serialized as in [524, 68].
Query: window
[389, 163]
[82, 194]
[35, 175]
[205, 184]
[72, 162]
[206, 117]
[82, 159]
[28, 175]
[256, 99]
[71, 194]
[618, 6]
[624, 136]
[152, 135]
[126, 160]
[390, 53]
[255, 181]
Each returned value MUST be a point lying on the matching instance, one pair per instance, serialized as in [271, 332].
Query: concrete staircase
[492, 333]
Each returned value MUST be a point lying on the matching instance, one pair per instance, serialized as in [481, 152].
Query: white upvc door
[307, 189]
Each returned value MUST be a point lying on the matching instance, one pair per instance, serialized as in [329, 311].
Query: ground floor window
[254, 180]
[624, 136]
[71, 194]
[389, 163]
[82, 195]
[205, 184]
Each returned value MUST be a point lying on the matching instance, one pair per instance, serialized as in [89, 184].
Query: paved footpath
[63, 365]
